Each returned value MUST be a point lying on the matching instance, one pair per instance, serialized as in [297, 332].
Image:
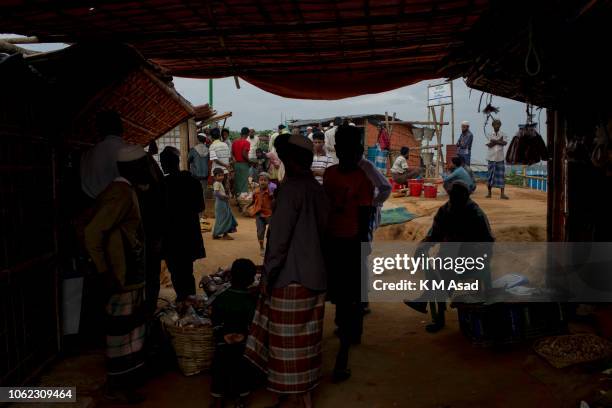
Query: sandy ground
[398, 364]
[520, 219]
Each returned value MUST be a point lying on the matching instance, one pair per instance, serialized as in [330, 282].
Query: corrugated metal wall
[28, 267]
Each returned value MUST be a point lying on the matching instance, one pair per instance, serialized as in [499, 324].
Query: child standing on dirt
[262, 208]
[232, 312]
[225, 223]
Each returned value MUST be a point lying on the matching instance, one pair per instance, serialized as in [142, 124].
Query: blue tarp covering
[396, 216]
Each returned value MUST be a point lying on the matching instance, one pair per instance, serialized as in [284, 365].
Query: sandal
[227, 238]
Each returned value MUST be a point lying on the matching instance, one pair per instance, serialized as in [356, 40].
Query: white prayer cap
[130, 153]
[352, 124]
[309, 127]
[300, 141]
[465, 123]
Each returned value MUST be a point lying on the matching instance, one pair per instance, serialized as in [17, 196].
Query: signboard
[441, 94]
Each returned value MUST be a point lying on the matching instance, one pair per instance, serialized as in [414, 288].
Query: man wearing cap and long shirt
[277, 168]
[330, 139]
[114, 239]
[99, 164]
[286, 333]
[464, 144]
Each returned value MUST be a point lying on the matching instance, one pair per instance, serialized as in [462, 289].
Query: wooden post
[184, 136]
[193, 133]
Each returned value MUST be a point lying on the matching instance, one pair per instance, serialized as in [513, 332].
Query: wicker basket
[567, 350]
[193, 346]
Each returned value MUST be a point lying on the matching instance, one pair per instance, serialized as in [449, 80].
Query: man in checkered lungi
[496, 141]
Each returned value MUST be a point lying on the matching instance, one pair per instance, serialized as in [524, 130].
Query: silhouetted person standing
[182, 242]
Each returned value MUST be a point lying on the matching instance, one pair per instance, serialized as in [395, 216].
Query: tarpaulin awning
[303, 49]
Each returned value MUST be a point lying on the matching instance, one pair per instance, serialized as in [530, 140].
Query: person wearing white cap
[114, 239]
[330, 139]
[464, 144]
[99, 164]
[309, 132]
[294, 281]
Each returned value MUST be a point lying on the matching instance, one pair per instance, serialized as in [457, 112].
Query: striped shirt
[219, 151]
[321, 162]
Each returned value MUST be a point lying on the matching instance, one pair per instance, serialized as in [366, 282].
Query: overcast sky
[253, 107]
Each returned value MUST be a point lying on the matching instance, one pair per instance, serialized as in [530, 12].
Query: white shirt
[252, 150]
[330, 143]
[99, 165]
[496, 153]
[219, 151]
[321, 162]
[400, 165]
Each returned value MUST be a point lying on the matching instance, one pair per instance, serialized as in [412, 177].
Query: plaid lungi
[125, 334]
[497, 172]
[285, 338]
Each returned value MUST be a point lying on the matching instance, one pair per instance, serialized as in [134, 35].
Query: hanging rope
[532, 51]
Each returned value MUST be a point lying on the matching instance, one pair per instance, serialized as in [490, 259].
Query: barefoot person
[225, 223]
[287, 330]
[351, 194]
[262, 208]
[182, 242]
[495, 157]
[114, 239]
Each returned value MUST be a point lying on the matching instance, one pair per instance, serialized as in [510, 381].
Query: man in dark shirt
[459, 220]
[182, 241]
[351, 194]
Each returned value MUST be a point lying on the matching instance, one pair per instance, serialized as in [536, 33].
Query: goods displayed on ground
[494, 324]
[188, 324]
[563, 351]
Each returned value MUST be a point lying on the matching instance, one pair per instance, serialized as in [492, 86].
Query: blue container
[372, 154]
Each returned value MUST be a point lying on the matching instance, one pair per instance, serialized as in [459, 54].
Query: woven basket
[193, 346]
[573, 349]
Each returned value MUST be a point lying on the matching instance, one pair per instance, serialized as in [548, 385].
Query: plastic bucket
[430, 190]
[382, 156]
[415, 186]
[372, 154]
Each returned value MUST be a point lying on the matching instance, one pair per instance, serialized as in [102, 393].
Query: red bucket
[415, 186]
[396, 187]
[430, 190]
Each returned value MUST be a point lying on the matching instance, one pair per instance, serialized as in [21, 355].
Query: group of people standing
[136, 215]
[314, 252]
[496, 165]
[315, 222]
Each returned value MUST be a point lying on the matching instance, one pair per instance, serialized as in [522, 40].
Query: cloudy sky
[256, 108]
[253, 107]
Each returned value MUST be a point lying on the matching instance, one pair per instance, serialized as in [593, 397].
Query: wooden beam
[409, 122]
[268, 29]
[22, 40]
